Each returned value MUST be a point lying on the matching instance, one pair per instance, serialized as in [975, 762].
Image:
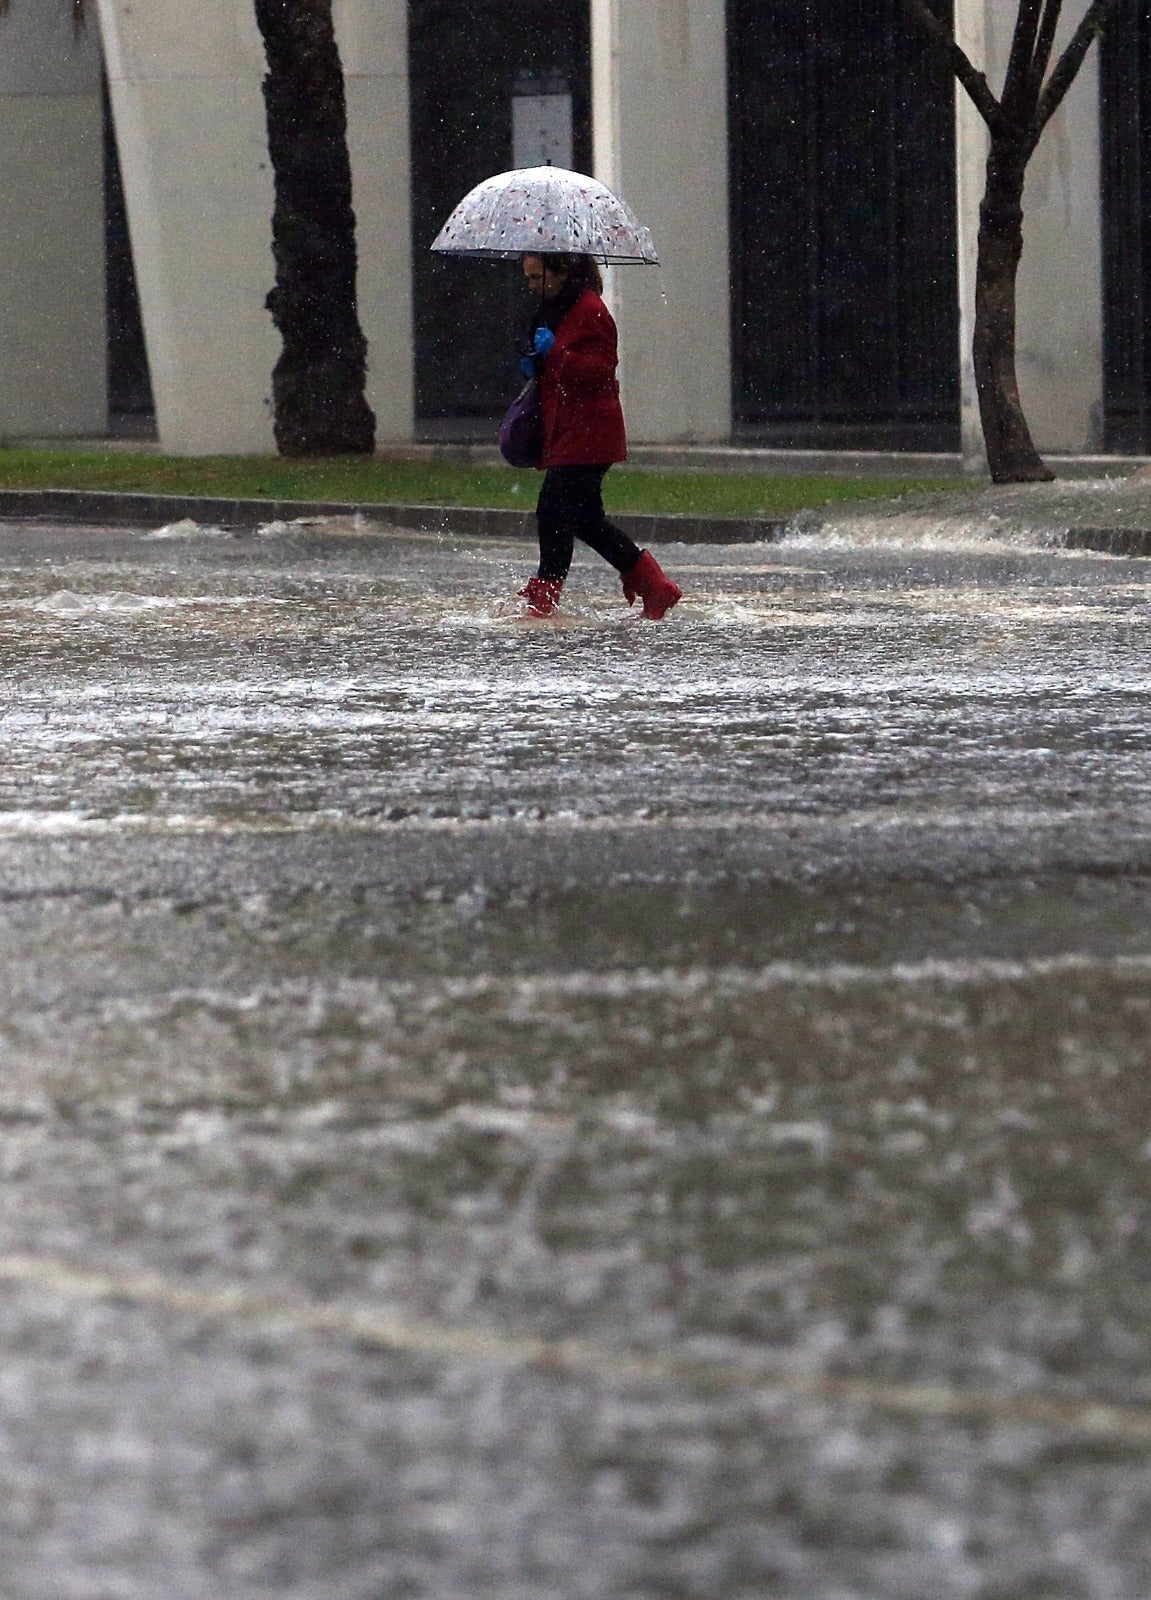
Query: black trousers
[570, 507]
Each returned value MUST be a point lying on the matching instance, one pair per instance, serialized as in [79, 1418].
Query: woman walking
[574, 354]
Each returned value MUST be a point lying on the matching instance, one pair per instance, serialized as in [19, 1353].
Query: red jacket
[583, 419]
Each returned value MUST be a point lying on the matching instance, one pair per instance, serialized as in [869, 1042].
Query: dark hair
[582, 272]
[579, 273]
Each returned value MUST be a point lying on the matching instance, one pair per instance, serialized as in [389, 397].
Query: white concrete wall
[185, 79]
[1059, 344]
[970, 177]
[373, 40]
[53, 347]
[659, 102]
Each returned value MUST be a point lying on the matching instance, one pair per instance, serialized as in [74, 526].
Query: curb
[111, 508]
[1110, 541]
[155, 510]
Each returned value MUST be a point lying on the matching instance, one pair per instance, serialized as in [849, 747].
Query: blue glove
[543, 341]
[528, 366]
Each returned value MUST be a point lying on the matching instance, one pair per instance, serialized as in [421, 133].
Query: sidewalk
[1098, 503]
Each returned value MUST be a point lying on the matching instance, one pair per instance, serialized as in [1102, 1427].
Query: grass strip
[399, 482]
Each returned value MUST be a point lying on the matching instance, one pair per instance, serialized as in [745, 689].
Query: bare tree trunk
[318, 381]
[1015, 122]
[1011, 454]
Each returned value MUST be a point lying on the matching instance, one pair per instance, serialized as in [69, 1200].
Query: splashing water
[645, 1083]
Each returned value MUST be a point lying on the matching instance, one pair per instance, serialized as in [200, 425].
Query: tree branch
[1017, 80]
[1044, 42]
[1069, 63]
[974, 82]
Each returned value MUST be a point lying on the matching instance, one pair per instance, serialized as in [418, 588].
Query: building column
[1059, 334]
[659, 107]
[373, 40]
[185, 80]
[970, 176]
[53, 345]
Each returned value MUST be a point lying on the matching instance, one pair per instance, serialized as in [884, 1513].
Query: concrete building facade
[817, 284]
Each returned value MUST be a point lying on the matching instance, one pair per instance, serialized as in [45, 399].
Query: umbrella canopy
[541, 211]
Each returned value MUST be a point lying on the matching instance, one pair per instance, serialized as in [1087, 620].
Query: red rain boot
[542, 596]
[648, 582]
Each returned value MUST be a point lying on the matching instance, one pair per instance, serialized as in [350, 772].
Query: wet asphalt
[595, 1110]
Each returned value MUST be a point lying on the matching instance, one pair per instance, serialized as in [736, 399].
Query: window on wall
[484, 88]
[845, 295]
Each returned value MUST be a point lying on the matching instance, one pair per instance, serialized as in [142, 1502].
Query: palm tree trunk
[1011, 454]
[318, 381]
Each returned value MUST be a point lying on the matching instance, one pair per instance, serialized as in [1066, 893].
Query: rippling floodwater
[593, 1110]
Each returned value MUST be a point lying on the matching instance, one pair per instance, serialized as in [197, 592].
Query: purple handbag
[522, 430]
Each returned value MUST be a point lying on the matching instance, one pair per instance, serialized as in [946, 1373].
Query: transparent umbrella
[545, 210]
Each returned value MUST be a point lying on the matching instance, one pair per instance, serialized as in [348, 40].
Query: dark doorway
[845, 294]
[131, 412]
[468, 60]
[1125, 167]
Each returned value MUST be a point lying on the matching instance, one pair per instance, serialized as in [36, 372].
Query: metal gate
[473, 63]
[845, 296]
[1125, 167]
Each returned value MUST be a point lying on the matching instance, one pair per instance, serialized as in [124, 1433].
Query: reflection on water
[600, 1111]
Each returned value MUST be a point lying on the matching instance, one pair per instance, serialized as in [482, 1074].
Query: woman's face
[547, 281]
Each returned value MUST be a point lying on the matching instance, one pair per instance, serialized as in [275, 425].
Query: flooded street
[594, 1111]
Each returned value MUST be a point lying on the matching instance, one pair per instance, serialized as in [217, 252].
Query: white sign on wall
[542, 130]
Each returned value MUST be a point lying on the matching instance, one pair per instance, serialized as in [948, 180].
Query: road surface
[585, 1112]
